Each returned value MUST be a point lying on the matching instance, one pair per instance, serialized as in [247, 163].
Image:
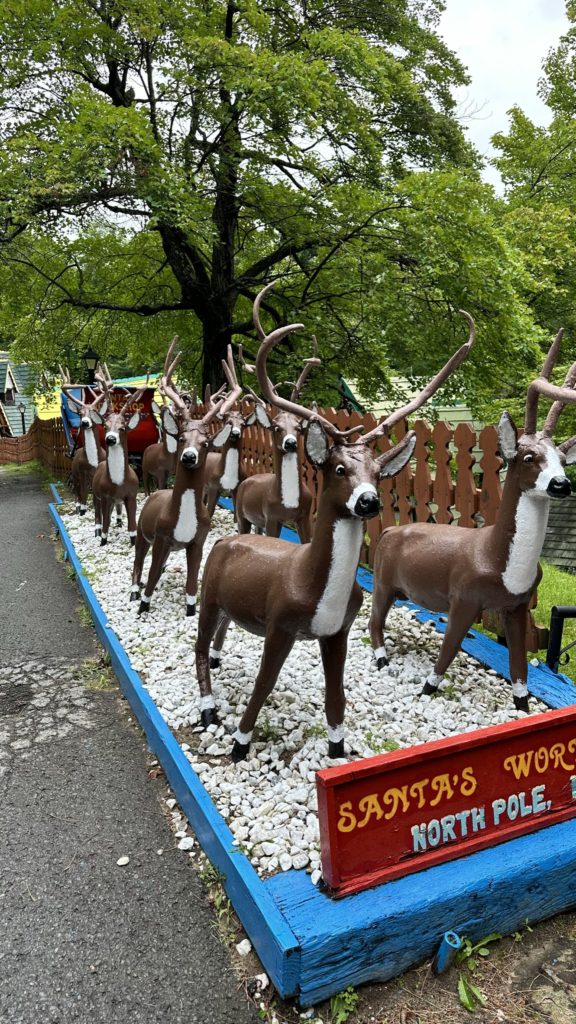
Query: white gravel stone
[244, 947]
[270, 799]
[186, 844]
[123, 861]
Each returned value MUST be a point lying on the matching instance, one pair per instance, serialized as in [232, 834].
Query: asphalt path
[81, 939]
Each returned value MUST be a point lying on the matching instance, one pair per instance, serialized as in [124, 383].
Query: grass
[34, 466]
[94, 674]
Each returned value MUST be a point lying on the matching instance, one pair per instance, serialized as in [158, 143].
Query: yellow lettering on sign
[469, 784]
[417, 790]
[519, 764]
[347, 820]
[369, 805]
[442, 787]
[557, 753]
[393, 798]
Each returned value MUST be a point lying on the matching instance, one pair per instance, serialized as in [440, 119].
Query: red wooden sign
[386, 816]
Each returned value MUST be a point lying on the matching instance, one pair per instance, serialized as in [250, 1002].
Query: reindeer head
[234, 418]
[350, 469]
[191, 434]
[90, 412]
[117, 422]
[534, 461]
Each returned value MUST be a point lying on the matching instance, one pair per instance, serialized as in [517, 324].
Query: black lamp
[90, 358]
[22, 410]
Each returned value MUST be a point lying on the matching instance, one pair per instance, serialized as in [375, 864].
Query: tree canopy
[162, 159]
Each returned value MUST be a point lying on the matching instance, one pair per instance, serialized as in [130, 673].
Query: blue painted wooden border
[273, 940]
[313, 946]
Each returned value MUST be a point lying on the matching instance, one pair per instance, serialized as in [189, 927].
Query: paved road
[81, 939]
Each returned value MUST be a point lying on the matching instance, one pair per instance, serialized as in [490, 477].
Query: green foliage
[343, 1005]
[469, 994]
[159, 165]
[379, 745]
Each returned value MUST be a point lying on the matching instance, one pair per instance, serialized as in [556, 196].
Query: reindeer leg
[106, 516]
[244, 525]
[218, 643]
[130, 504]
[118, 513]
[97, 516]
[208, 620]
[193, 559]
[273, 527]
[142, 548]
[382, 601]
[83, 489]
[460, 618]
[333, 650]
[515, 627]
[277, 647]
[304, 529]
[160, 552]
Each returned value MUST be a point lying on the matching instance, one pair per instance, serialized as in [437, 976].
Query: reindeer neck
[287, 473]
[186, 503]
[230, 467]
[517, 536]
[117, 461]
[332, 557]
[92, 447]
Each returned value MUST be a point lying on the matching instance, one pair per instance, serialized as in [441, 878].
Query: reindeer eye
[340, 470]
[528, 458]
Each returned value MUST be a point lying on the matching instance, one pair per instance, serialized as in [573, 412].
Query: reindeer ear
[133, 421]
[156, 409]
[507, 436]
[103, 407]
[170, 425]
[316, 443]
[95, 417]
[261, 416]
[571, 455]
[392, 462]
[222, 436]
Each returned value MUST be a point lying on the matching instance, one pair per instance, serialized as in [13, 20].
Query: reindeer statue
[223, 471]
[86, 458]
[464, 571]
[267, 500]
[284, 592]
[115, 481]
[179, 518]
[159, 460]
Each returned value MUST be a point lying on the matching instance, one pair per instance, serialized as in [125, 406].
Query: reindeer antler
[65, 374]
[541, 386]
[422, 397]
[235, 388]
[166, 386]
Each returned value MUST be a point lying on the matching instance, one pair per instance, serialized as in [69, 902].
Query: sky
[503, 44]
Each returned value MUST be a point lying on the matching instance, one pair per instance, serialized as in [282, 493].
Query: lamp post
[22, 411]
[90, 358]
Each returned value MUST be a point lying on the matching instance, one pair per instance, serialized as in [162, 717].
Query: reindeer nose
[189, 457]
[559, 487]
[85, 421]
[111, 439]
[235, 432]
[367, 506]
[290, 444]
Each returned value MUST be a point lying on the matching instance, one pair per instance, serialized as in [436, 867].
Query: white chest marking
[289, 481]
[90, 448]
[229, 478]
[346, 543]
[531, 521]
[171, 443]
[115, 458]
[185, 529]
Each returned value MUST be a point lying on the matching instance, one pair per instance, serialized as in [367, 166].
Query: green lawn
[558, 587]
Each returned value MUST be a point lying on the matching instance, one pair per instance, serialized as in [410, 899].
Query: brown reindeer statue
[159, 460]
[267, 500]
[285, 592]
[86, 458]
[178, 518]
[464, 571]
[115, 482]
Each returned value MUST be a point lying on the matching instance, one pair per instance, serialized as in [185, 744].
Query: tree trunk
[216, 336]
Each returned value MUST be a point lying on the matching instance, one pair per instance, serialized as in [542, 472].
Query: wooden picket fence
[453, 477]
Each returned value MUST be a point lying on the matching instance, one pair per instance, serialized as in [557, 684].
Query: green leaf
[465, 994]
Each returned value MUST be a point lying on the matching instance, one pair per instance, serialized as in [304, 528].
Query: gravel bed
[269, 800]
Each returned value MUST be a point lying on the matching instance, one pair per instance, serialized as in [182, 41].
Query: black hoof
[103, 541]
[336, 749]
[82, 511]
[118, 522]
[209, 717]
[240, 751]
[214, 662]
[144, 607]
[428, 690]
[521, 704]
[97, 532]
[135, 596]
[381, 663]
[133, 541]
[190, 610]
